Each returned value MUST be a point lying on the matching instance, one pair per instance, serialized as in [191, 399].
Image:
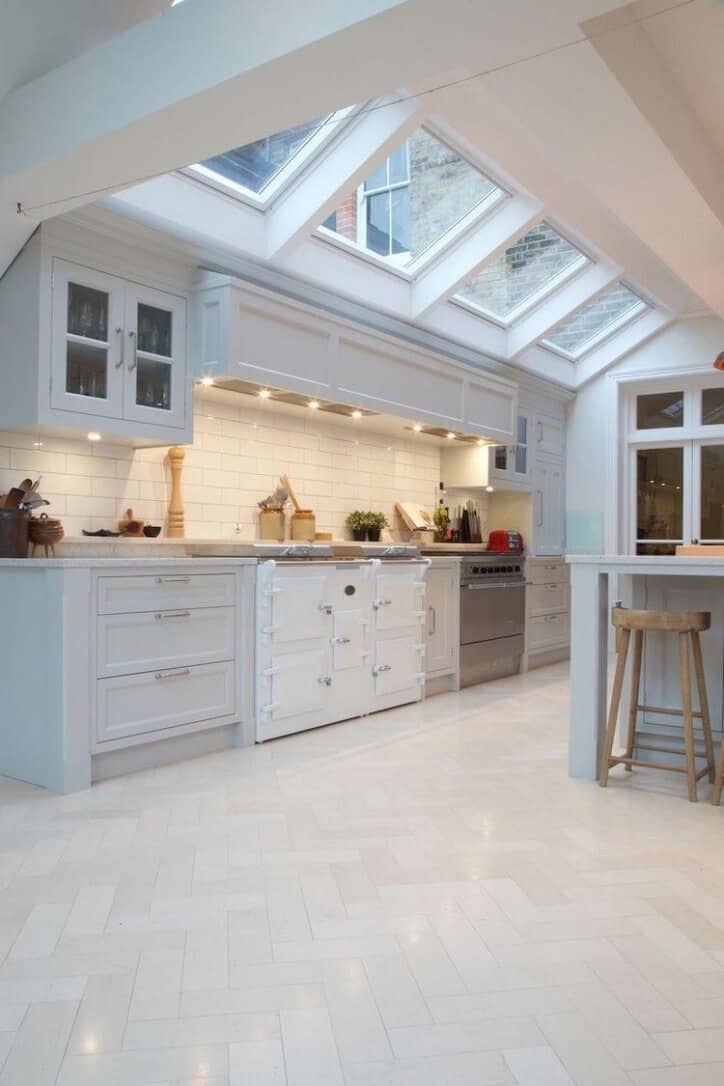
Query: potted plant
[441, 518]
[357, 524]
[375, 523]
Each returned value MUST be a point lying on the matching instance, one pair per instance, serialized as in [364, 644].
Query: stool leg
[703, 704]
[621, 655]
[634, 702]
[688, 719]
[718, 778]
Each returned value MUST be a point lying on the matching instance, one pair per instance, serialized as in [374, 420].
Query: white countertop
[652, 565]
[174, 561]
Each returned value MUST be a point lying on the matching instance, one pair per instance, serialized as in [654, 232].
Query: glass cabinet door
[512, 461]
[87, 341]
[154, 373]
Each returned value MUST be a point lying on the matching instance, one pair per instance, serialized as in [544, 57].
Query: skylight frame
[584, 261]
[606, 332]
[315, 143]
[477, 214]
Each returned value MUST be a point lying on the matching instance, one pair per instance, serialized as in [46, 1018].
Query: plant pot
[360, 534]
[373, 534]
[14, 528]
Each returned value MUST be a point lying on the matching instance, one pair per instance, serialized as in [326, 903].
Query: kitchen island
[676, 584]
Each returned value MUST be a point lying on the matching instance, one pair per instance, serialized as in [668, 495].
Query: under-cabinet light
[95, 436]
[207, 381]
[356, 414]
[314, 404]
[417, 428]
[264, 393]
[451, 436]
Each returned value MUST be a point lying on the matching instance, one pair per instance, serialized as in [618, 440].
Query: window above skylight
[595, 322]
[257, 171]
[414, 201]
[528, 271]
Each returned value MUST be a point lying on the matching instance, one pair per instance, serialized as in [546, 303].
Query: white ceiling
[620, 137]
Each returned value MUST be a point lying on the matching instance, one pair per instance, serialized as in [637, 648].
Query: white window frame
[364, 194]
[328, 130]
[605, 333]
[692, 436]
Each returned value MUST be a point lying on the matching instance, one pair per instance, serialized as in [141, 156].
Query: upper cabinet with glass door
[88, 351]
[117, 348]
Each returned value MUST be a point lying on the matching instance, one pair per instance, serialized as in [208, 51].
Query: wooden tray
[700, 550]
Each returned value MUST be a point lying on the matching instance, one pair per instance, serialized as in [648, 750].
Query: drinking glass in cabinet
[153, 384]
[154, 330]
[87, 312]
[86, 370]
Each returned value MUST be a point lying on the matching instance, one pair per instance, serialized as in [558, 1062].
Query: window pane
[658, 410]
[712, 406]
[659, 494]
[575, 334]
[255, 164]
[521, 272]
[378, 223]
[400, 220]
[442, 188]
[712, 492]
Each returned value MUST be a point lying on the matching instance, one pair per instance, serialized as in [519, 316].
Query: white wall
[241, 446]
[590, 454]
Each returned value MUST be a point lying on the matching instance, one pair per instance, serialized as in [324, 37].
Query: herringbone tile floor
[421, 898]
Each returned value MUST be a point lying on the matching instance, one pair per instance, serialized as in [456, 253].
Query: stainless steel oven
[492, 617]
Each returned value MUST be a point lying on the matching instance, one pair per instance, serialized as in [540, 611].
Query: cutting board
[700, 550]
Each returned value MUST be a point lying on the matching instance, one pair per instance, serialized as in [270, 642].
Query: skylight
[525, 273]
[259, 168]
[413, 200]
[597, 320]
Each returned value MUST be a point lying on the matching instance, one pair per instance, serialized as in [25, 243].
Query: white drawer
[546, 571]
[154, 640]
[546, 631]
[545, 598]
[162, 700]
[165, 592]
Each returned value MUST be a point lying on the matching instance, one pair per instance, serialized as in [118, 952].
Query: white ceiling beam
[583, 288]
[629, 337]
[459, 262]
[456, 322]
[338, 169]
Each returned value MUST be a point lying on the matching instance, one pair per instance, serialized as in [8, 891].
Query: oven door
[490, 611]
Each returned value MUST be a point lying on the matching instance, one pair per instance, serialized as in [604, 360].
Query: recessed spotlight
[356, 414]
[94, 436]
[490, 489]
[480, 441]
[451, 436]
[37, 444]
[264, 393]
[207, 381]
[314, 404]
[417, 427]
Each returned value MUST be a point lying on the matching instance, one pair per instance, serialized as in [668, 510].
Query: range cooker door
[301, 608]
[398, 599]
[490, 611]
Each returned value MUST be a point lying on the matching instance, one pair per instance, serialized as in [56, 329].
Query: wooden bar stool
[718, 778]
[688, 625]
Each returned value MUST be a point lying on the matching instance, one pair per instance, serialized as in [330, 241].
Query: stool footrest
[614, 760]
[666, 750]
[665, 712]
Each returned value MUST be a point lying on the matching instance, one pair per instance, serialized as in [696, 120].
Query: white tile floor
[418, 899]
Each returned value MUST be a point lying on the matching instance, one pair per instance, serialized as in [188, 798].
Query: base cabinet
[547, 623]
[442, 620]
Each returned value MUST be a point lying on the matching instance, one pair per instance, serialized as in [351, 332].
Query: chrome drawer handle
[119, 363]
[180, 674]
[132, 365]
[160, 615]
[173, 580]
[324, 680]
[341, 640]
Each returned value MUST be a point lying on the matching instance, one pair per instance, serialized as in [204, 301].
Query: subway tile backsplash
[241, 446]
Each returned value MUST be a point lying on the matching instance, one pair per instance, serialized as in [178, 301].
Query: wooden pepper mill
[175, 528]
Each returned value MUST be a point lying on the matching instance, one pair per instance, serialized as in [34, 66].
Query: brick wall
[241, 446]
[606, 309]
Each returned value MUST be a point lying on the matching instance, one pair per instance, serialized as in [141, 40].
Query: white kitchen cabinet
[511, 463]
[548, 435]
[548, 507]
[88, 347]
[442, 625]
[547, 627]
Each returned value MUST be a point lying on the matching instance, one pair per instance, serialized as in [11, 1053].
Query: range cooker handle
[497, 584]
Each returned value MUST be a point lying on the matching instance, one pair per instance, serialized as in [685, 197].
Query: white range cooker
[336, 637]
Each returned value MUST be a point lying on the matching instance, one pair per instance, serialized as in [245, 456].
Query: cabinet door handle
[119, 363]
[132, 365]
[160, 615]
[181, 673]
[173, 580]
[382, 667]
[341, 640]
[324, 680]
[540, 431]
[539, 519]
[326, 608]
[381, 603]
[434, 621]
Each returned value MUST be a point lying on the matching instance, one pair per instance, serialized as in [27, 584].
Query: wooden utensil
[129, 525]
[14, 497]
[284, 480]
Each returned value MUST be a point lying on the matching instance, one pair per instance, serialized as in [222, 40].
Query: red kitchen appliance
[505, 541]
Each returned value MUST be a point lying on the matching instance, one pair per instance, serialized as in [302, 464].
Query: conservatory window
[413, 200]
[597, 320]
[528, 271]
